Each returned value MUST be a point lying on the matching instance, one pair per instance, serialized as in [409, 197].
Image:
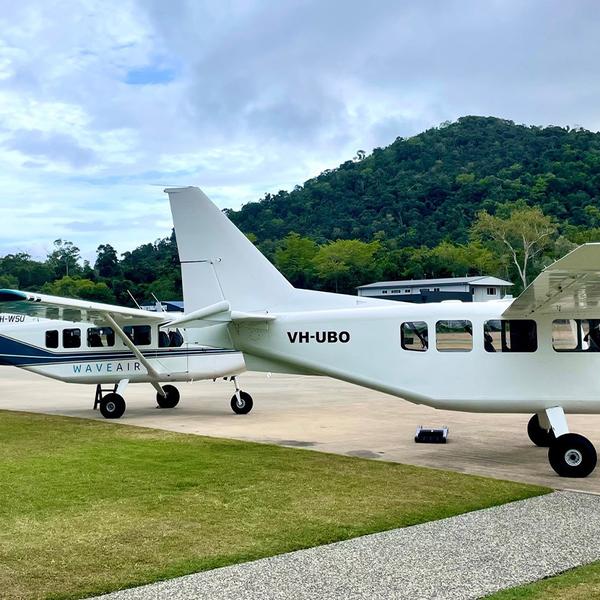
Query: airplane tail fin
[218, 262]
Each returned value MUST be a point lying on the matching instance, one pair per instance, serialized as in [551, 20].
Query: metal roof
[476, 280]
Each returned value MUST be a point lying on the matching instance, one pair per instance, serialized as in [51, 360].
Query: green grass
[582, 583]
[88, 507]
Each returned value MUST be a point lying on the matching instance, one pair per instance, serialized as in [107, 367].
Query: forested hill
[427, 188]
[411, 210]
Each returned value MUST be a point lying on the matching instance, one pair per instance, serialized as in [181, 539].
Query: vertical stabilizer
[218, 262]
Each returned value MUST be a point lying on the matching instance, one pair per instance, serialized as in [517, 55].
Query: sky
[103, 104]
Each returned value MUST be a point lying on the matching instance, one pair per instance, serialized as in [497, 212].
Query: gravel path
[467, 556]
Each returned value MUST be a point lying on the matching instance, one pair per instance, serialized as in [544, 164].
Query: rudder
[218, 262]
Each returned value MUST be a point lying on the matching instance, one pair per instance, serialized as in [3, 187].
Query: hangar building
[468, 289]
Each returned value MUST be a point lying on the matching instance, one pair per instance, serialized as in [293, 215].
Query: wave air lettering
[106, 367]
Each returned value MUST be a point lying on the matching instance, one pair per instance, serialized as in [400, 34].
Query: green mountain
[428, 188]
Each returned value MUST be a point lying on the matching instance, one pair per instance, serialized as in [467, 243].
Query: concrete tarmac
[321, 414]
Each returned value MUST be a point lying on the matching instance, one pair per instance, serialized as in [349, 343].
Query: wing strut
[151, 370]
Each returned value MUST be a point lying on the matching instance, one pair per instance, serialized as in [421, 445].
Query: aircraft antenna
[134, 300]
[158, 303]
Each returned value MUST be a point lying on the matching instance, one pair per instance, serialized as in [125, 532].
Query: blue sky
[104, 103]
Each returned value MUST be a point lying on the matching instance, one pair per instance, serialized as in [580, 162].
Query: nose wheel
[112, 406]
[241, 403]
[110, 401]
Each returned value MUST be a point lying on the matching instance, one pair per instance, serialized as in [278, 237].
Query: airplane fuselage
[26, 346]
[364, 346]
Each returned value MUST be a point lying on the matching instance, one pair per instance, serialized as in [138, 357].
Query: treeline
[515, 243]
[149, 269]
[479, 196]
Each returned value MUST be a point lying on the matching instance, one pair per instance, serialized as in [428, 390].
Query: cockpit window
[576, 335]
[140, 335]
[510, 335]
[100, 337]
[414, 336]
[454, 336]
[52, 339]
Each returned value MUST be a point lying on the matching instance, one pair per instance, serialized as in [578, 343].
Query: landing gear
[572, 455]
[569, 454]
[170, 399]
[112, 406]
[241, 402]
[110, 401]
[539, 435]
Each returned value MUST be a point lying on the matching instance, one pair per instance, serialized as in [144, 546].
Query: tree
[64, 259]
[521, 233]
[461, 260]
[30, 274]
[8, 282]
[164, 288]
[107, 261]
[84, 289]
[294, 258]
[346, 263]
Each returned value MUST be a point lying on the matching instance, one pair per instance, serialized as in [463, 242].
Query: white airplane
[533, 354]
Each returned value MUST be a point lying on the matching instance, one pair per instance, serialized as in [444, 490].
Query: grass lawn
[88, 507]
[582, 583]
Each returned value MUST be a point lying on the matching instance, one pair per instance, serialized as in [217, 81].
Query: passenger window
[454, 336]
[52, 339]
[576, 335]
[413, 336]
[100, 337]
[140, 335]
[71, 338]
[510, 335]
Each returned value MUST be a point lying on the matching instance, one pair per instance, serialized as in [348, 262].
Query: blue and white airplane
[109, 346]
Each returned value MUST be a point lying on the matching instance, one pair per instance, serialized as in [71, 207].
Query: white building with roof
[468, 289]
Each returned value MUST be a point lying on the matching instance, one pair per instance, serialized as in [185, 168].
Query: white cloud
[247, 97]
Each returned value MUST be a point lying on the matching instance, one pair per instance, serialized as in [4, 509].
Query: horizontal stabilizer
[217, 313]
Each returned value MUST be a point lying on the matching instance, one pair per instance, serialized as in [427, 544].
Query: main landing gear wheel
[112, 406]
[241, 405]
[572, 455]
[538, 435]
[170, 399]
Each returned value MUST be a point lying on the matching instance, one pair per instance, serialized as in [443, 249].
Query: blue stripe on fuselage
[20, 354]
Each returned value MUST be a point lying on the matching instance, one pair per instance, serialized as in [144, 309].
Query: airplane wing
[68, 309]
[568, 287]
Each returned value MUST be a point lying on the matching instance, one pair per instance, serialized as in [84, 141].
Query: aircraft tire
[572, 455]
[171, 399]
[112, 406]
[538, 435]
[243, 405]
